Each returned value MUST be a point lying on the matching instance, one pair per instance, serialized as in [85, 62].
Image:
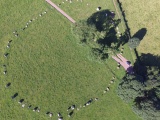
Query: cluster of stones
[118, 32]
[70, 1]
[16, 32]
[36, 108]
[118, 64]
[111, 82]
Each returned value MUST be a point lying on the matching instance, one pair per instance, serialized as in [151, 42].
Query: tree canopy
[98, 32]
[133, 42]
[144, 91]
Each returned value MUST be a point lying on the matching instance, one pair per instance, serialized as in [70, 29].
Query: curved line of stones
[36, 108]
[70, 1]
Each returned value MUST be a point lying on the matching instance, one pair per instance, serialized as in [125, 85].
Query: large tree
[98, 32]
[144, 91]
[130, 87]
[148, 105]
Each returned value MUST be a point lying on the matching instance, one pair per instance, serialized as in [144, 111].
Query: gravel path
[61, 11]
[124, 62]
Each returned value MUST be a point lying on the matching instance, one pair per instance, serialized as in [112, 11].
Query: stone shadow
[145, 60]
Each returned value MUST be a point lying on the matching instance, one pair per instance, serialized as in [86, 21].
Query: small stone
[8, 46]
[98, 8]
[117, 28]
[29, 106]
[16, 35]
[50, 114]
[107, 89]
[111, 81]
[23, 105]
[96, 99]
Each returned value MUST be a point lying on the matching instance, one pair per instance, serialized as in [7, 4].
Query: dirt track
[61, 11]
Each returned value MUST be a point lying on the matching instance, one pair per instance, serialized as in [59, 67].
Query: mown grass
[50, 70]
[142, 14]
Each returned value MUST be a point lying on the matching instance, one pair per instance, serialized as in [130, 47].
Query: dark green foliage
[130, 87]
[98, 54]
[148, 105]
[133, 42]
[84, 32]
[98, 32]
[144, 91]
[153, 77]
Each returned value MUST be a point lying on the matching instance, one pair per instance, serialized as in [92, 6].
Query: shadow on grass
[141, 33]
[104, 21]
[150, 60]
[145, 60]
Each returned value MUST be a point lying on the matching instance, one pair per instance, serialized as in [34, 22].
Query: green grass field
[142, 14]
[50, 70]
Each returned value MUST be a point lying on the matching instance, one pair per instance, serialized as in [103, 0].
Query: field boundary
[125, 27]
[61, 11]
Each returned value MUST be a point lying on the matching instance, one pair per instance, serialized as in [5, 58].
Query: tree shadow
[147, 59]
[140, 33]
[150, 60]
[104, 21]
[123, 39]
[112, 38]
[140, 66]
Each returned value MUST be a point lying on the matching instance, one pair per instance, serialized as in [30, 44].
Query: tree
[130, 87]
[148, 105]
[98, 33]
[144, 91]
[133, 42]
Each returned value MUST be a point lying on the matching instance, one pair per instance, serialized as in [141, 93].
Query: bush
[133, 42]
